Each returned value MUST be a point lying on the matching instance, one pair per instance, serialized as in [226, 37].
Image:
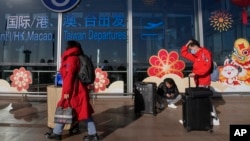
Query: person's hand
[191, 74]
[66, 96]
[90, 86]
[168, 95]
[190, 41]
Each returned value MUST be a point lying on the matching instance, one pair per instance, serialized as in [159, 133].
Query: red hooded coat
[78, 93]
[202, 64]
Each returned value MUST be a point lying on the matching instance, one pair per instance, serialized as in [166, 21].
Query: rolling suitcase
[197, 109]
[145, 98]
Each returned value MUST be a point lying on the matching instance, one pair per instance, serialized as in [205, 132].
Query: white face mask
[193, 51]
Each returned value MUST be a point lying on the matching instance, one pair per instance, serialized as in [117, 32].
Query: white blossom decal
[101, 80]
[21, 78]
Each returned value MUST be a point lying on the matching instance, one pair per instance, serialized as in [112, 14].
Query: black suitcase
[145, 98]
[196, 109]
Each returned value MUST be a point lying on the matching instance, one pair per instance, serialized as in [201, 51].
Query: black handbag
[63, 115]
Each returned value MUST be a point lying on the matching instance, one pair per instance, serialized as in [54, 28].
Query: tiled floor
[27, 121]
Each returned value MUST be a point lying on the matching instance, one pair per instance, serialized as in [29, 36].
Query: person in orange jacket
[202, 62]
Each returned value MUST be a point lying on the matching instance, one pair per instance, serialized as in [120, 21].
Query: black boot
[74, 130]
[53, 136]
[94, 137]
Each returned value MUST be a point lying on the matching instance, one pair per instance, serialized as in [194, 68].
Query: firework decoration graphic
[221, 20]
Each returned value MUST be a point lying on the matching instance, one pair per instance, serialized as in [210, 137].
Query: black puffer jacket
[163, 90]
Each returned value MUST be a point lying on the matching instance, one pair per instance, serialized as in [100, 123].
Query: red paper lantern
[244, 4]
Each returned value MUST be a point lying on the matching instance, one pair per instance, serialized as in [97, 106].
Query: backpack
[160, 89]
[86, 72]
[214, 72]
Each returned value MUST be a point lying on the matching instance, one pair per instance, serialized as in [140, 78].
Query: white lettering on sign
[239, 132]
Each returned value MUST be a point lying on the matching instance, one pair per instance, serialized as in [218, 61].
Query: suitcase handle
[189, 82]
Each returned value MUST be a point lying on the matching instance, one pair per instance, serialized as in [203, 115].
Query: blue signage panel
[101, 26]
[60, 5]
[152, 27]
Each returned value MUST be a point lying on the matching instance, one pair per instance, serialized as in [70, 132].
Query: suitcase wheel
[188, 129]
[137, 114]
[210, 129]
[155, 111]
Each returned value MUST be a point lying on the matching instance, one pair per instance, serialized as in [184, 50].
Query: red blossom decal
[165, 63]
[21, 79]
[101, 80]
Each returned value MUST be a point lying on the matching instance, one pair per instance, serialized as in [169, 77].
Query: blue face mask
[193, 51]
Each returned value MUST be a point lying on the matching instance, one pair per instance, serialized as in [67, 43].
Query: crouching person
[168, 92]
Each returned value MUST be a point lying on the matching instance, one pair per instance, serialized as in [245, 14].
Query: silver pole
[130, 49]
[59, 41]
[200, 23]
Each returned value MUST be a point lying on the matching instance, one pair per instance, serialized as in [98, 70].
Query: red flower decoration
[21, 79]
[101, 80]
[165, 63]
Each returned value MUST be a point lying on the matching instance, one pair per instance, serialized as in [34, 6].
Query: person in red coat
[202, 62]
[75, 92]
[202, 67]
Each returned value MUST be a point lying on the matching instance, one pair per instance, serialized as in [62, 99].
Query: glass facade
[101, 28]
[221, 43]
[27, 28]
[28, 39]
[28, 34]
[160, 24]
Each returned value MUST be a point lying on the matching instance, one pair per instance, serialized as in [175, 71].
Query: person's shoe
[94, 137]
[181, 121]
[172, 106]
[74, 130]
[216, 121]
[161, 107]
[213, 114]
[53, 136]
